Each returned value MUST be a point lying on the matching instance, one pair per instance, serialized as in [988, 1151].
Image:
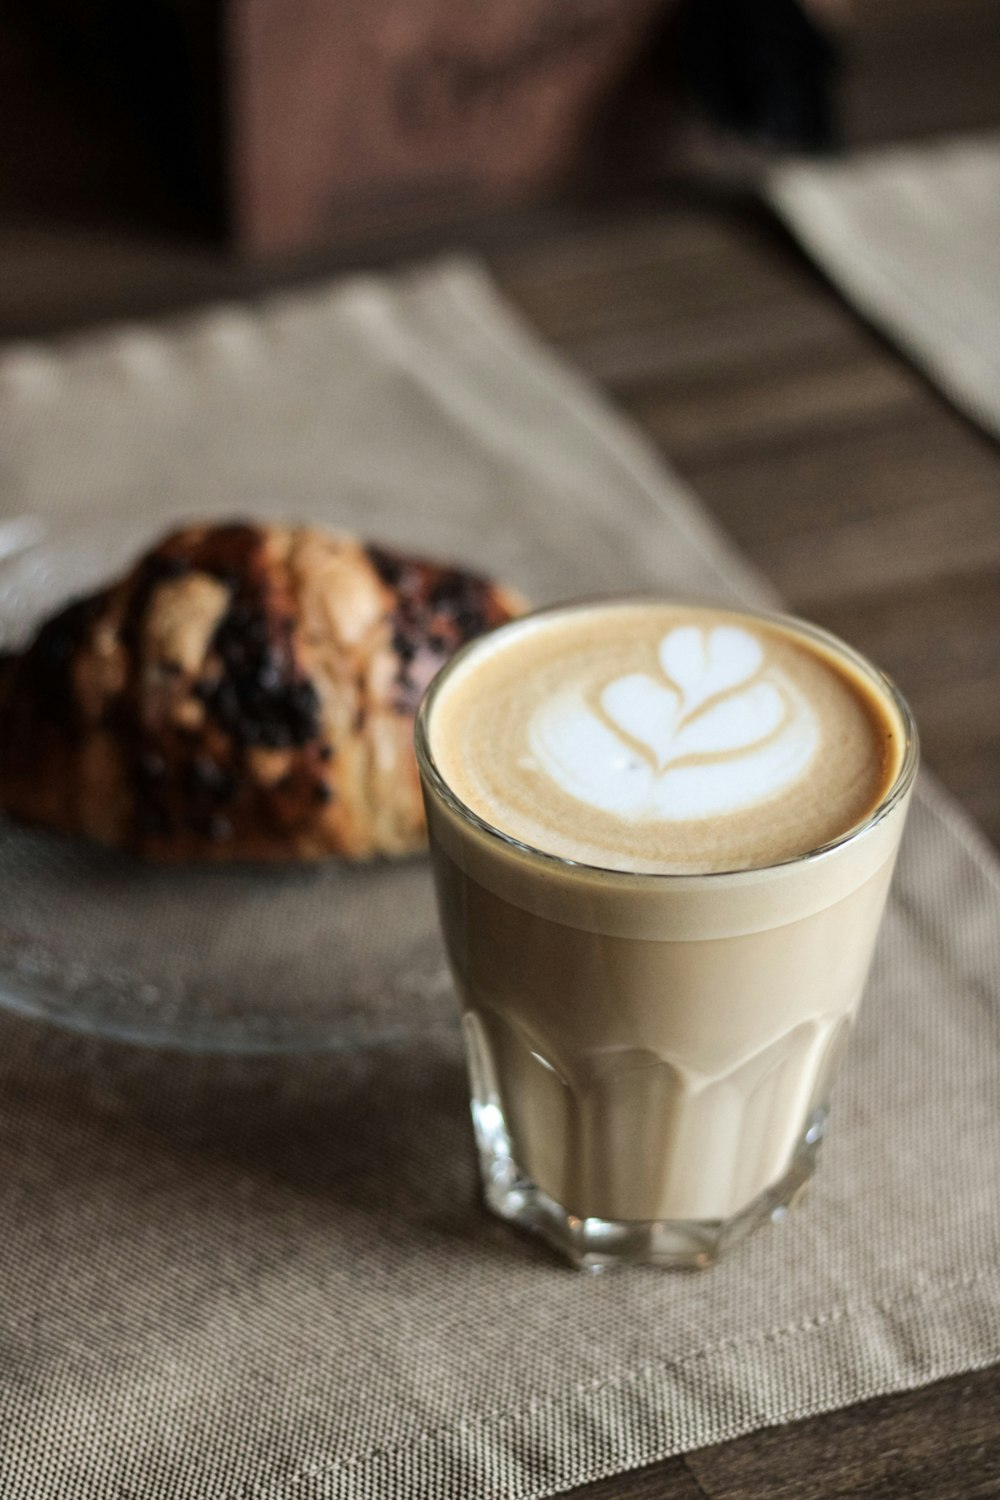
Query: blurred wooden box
[300, 121]
[344, 114]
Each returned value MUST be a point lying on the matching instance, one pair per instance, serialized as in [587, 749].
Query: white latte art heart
[719, 732]
[645, 710]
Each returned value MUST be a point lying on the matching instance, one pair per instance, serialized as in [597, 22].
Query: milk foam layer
[654, 737]
[720, 730]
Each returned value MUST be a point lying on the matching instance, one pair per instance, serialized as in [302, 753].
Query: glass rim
[894, 794]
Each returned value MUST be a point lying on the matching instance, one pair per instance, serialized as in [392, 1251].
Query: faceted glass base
[594, 1244]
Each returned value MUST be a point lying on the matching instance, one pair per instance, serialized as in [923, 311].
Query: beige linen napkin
[270, 1278]
[912, 236]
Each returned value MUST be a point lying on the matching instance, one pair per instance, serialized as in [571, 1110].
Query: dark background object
[281, 124]
[289, 122]
[390, 112]
[764, 69]
[158, 65]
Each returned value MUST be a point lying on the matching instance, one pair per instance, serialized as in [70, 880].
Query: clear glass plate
[240, 959]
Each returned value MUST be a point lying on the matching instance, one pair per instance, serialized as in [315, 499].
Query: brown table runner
[270, 1279]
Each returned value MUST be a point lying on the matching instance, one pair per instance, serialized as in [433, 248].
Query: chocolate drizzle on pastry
[45, 671]
[253, 691]
[260, 696]
[437, 609]
[244, 692]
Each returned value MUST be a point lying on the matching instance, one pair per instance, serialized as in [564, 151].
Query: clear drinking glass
[651, 1056]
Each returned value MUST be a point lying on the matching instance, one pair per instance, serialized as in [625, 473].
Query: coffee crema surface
[664, 738]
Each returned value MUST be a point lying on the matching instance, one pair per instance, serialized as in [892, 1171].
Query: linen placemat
[270, 1278]
[911, 234]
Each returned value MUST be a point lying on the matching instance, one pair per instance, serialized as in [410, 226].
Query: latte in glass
[662, 840]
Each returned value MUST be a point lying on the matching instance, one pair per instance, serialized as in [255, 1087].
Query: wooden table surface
[872, 505]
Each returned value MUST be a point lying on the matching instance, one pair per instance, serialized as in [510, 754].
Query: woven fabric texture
[910, 234]
[270, 1278]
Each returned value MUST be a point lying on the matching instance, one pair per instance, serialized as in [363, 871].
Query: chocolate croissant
[245, 692]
